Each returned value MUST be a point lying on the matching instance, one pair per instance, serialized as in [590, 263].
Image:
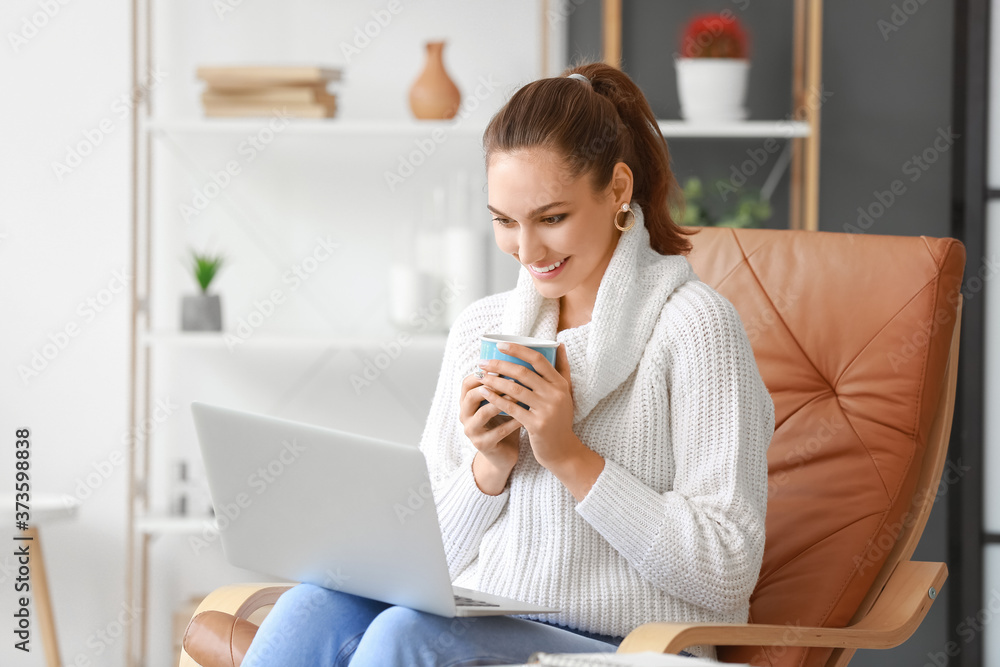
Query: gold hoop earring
[625, 209]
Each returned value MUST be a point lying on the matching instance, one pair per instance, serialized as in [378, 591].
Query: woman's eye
[549, 220]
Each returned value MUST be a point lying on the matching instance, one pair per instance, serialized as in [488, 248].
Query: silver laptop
[336, 509]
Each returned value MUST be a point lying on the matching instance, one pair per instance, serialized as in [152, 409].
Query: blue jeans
[310, 625]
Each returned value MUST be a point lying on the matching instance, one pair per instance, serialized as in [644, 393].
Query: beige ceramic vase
[434, 95]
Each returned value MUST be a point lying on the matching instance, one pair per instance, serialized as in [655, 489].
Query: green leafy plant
[205, 267]
[747, 210]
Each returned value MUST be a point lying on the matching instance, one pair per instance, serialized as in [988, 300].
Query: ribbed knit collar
[603, 352]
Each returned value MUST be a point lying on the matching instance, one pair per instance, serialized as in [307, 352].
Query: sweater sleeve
[463, 510]
[703, 539]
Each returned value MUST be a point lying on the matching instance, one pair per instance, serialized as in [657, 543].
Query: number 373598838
[22, 480]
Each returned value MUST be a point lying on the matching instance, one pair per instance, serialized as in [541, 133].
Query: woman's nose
[529, 249]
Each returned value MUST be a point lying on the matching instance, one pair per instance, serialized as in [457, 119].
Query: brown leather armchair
[856, 337]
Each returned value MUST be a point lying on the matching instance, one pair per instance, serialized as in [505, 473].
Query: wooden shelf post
[807, 90]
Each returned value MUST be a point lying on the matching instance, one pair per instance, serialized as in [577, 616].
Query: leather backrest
[851, 333]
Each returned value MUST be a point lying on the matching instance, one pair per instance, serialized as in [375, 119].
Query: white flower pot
[712, 89]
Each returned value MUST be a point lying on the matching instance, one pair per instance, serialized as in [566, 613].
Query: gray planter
[201, 312]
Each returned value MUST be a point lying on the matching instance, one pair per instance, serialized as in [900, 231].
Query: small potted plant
[712, 68]
[202, 312]
[746, 210]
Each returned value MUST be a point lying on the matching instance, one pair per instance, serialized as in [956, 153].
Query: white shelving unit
[162, 525]
[748, 129]
[213, 340]
[145, 524]
[157, 137]
[333, 126]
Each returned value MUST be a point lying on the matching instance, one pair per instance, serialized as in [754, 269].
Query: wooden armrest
[893, 618]
[241, 600]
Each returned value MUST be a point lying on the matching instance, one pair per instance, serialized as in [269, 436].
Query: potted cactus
[202, 312]
[712, 68]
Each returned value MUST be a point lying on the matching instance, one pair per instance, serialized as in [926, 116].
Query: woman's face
[542, 217]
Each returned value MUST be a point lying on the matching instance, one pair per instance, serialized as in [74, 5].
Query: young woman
[634, 486]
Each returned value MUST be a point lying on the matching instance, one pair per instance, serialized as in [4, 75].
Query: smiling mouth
[550, 271]
[550, 267]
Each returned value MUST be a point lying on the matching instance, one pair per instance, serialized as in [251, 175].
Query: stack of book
[234, 91]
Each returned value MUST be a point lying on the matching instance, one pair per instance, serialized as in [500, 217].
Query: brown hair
[596, 126]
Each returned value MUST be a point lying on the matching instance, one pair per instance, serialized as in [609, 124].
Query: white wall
[61, 243]
[64, 239]
[991, 396]
[991, 390]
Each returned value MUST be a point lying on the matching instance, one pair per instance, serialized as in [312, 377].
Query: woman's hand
[497, 438]
[548, 393]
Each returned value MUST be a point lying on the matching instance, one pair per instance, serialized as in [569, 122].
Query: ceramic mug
[488, 350]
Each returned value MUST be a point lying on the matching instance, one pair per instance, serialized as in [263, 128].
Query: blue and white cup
[488, 350]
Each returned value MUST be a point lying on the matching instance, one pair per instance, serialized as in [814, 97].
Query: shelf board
[216, 339]
[360, 127]
[42, 507]
[782, 129]
[159, 524]
[745, 129]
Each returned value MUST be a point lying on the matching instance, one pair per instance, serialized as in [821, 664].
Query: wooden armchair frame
[899, 598]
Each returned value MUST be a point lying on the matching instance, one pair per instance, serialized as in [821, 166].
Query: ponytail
[594, 127]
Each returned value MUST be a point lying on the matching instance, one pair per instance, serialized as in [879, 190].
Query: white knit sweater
[667, 390]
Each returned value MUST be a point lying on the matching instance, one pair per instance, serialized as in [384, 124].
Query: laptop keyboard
[463, 601]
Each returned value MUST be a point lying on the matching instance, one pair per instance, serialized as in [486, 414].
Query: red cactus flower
[714, 36]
